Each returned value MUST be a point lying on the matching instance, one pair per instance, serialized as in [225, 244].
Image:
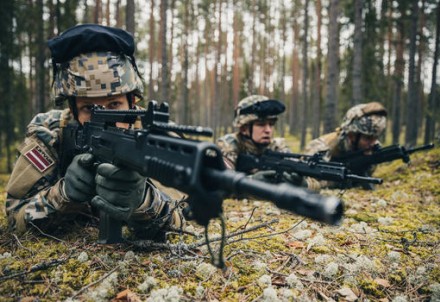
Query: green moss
[412, 199]
[321, 249]
[434, 275]
[370, 287]
[398, 277]
[366, 217]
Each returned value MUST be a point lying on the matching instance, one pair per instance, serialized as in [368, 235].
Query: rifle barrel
[364, 179]
[421, 148]
[327, 209]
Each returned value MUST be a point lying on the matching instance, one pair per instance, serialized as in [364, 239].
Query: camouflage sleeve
[279, 144]
[160, 211]
[229, 151]
[320, 144]
[33, 191]
[315, 146]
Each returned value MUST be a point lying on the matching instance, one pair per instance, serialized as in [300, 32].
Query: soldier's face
[366, 142]
[84, 106]
[262, 131]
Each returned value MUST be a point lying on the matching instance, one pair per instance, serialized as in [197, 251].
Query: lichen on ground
[387, 249]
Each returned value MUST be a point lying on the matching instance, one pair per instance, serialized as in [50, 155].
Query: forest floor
[386, 249]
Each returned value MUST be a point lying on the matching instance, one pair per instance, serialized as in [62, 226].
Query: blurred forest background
[319, 56]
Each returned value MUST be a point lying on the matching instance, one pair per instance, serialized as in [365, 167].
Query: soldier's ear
[351, 137]
[245, 129]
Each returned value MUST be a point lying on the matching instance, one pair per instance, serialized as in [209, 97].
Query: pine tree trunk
[433, 103]
[305, 95]
[357, 97]
[129, 16]
[151, 52]
[398, 77]
[163, 42]
[40, 60]
[317, 75]
[333, 69]
[411, 103]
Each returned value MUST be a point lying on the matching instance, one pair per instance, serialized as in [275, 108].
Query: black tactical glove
[79, 181]
[119, 191]
[293, 178]
[266, 176]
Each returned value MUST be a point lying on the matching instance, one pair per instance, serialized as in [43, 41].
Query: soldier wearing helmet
[360, 130]
[255, 118]
[50, 184]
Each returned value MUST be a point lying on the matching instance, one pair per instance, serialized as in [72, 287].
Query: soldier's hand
[79, 181]
[119, 191]
[293, 178]
[266, 176]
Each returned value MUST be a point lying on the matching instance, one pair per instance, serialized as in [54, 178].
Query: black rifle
[359, 162]
[303, 165]
[191, 166]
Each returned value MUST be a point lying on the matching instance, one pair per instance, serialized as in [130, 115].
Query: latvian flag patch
[39, 158]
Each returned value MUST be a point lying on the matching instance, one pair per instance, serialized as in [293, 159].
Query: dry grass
[387, 249]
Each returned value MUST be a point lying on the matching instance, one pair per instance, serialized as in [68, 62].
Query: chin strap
[355, 144]
[258, 145]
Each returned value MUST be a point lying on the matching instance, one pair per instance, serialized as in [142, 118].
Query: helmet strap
[72, 106]
[355, 143]
[130, 99]
[251, 132]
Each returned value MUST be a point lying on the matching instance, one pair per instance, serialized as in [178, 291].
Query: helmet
[96, 74]
[368, 119]
[92, 60]
[256, 107]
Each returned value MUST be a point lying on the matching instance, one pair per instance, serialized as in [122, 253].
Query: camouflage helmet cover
[368, 119]
[97, 74]
[256, 107]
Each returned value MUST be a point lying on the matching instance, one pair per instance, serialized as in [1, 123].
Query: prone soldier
[50, 184]
[255, 117]
[360, 130]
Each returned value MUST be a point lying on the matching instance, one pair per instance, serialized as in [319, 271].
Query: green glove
[119, 191]
[266, 176]
[79, 181]
[293, 178]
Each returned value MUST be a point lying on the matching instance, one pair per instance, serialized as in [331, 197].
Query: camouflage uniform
[233, 144]
[368, 119]
[35, 192]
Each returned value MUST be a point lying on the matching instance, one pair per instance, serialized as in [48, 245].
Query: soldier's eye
[114, 105]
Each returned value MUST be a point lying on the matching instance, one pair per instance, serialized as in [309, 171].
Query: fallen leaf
[127, 295]
[296, 244]
[382, 282]
[347, 293]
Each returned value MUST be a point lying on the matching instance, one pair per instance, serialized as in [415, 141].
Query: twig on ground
[256, 227]
[37, 267]
[247, 222]
[267, 235]
[45, 234]
[19, 243]
[96, 282]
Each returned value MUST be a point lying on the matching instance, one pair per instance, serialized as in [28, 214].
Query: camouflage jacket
[332, 144]
[233, 144]
[34, 194]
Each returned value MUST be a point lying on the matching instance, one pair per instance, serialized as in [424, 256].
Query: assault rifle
[303, 165]
[359, 162]
[191, 166]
